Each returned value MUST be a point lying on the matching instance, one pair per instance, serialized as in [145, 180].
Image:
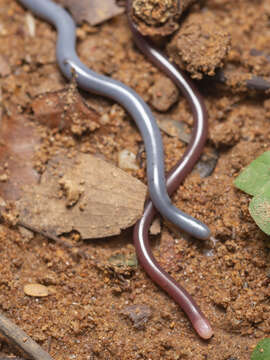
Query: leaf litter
[84, 194]
[94, 12]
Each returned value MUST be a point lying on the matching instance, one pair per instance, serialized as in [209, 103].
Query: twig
[16, 358]
[20, 338]
[59, 241]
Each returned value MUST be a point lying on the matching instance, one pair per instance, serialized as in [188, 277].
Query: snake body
[91, 81]
[174, 179]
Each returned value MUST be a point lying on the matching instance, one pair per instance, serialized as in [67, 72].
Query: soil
[97, 309]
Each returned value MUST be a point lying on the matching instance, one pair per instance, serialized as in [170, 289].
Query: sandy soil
[87, 314]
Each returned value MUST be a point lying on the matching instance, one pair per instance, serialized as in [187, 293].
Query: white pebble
[127, 160]
[31, 24]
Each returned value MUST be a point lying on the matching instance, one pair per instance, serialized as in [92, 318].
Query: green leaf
[255, 176]
[262, 350]
[259, 209]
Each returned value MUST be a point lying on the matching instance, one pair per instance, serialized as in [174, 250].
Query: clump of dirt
[200, 46]
[159, 17]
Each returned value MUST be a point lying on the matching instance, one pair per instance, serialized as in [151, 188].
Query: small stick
[58, 241]
[20, 338]
[16, 358]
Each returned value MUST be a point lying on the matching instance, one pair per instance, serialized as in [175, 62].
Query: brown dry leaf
[65, 109]
[92, 11]
[18, 140]
[85, 194]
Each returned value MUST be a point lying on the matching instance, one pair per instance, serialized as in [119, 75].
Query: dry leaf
[92, 11]
[85, 194]
[18, 139]
[65, 109]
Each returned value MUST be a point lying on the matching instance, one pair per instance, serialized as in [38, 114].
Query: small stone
[155, 227]
[3, 204]
[207, 163]
[36, 290]
[164, 94]
[104, 119]
[127, 160]
[3, 178]
[31, 24]
[173, 128]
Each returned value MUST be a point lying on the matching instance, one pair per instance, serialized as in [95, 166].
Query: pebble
[127, 160]
[37, 290]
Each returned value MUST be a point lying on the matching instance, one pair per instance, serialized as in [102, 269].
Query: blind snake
[89, 80]
[174, 179]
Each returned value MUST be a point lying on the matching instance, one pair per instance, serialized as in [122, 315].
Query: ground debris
[164, 94]
[159, 17]
[173, 128]
[83, 194]
[207, 163]
[9, 213]
[36, 290]
[118, 269]
[155, 228]
[94, 12]
[127, 160]
[123, 260]
[200, 46]
[65, 109]
[154, 12]
[139, 314]
[18, 140]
